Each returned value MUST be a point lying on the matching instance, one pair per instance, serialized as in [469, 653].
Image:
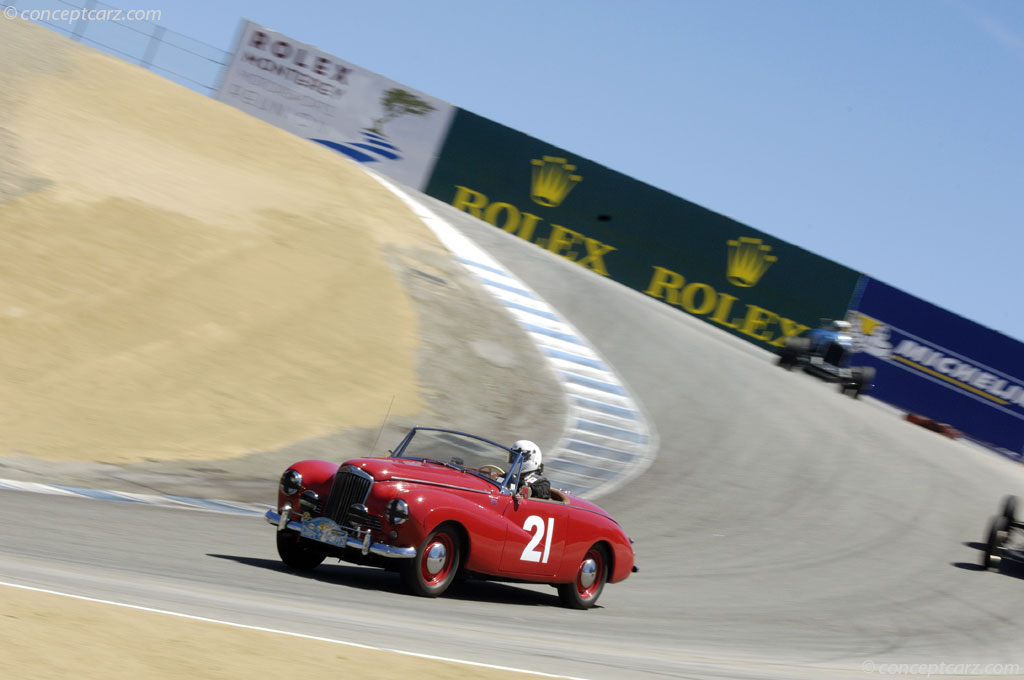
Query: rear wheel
[436, 563]
[298, 553]
[786, 360]
[998, 530]
[591, 575]
[834, 354]
[791, 351]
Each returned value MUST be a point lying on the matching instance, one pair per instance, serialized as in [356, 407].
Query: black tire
[1010, 509]
[299, 553]
[798, 345]
[998, 530]
[436, 563]
[591, 576]
[792, 349]
[834, 354]
[865, 379]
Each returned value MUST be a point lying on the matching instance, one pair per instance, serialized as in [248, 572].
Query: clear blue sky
[883, 134]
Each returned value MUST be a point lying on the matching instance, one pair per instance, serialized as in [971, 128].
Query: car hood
[411, 470]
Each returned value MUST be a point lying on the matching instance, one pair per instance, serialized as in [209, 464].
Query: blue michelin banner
[940, 365]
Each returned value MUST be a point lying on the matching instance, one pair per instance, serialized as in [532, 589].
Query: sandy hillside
[191, 299]
[180, 280]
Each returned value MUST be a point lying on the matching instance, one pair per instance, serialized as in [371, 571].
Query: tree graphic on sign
[398, 102]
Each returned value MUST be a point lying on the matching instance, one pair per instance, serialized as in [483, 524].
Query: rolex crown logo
[553, 179]
[748, 261]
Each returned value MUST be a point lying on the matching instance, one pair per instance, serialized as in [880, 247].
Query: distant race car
[927, 423]
[447, 503]
[825, 352]
[1005, 537]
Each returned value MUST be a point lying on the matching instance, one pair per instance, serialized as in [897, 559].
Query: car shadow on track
[1008, 567]
[373, 578]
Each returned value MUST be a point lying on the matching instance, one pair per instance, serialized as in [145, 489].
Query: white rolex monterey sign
[367, 117]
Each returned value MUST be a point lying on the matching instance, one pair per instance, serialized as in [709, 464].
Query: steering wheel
[501, 473]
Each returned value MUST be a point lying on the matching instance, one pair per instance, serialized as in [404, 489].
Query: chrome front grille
[360, 517]
[351, 487]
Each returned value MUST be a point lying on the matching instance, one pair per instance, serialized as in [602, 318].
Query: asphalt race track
[783, 531]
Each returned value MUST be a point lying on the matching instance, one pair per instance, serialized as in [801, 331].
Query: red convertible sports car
[446, 503]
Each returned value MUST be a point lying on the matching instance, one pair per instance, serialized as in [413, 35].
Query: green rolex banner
[729, 274]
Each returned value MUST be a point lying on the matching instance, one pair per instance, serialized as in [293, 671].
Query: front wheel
[865, 378]
[998, 530]
[298, 553]
[591, 576]
[1010, 509]
[436, 563]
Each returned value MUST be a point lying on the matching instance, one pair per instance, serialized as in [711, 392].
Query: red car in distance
[444, 503]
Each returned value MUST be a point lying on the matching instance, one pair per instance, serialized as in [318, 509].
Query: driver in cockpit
[532, 482]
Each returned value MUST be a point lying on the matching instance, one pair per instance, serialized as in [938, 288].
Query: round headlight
[397, 512]
[291, 482]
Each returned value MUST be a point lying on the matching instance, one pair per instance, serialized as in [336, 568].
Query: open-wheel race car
[1005, 537]
[824, 352]
[448, 504]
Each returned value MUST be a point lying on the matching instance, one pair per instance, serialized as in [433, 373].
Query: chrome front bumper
[362, 544]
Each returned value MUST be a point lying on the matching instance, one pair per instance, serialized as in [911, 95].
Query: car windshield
[461, 451]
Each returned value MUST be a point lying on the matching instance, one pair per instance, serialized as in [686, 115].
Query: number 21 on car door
[537, 530]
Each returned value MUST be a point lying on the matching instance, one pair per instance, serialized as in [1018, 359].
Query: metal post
[76, 33]
[154, 42]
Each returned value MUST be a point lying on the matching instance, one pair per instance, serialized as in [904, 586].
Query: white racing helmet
[532, 458]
